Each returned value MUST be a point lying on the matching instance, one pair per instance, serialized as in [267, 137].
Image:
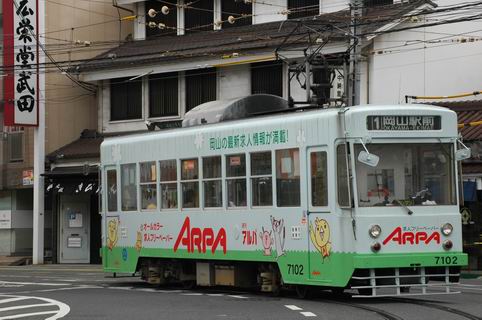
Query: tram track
[384, 314]
[438, 307]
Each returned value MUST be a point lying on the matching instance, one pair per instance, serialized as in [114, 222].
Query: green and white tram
[354, 198]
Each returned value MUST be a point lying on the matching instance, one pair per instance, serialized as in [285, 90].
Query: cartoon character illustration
[112, 234]
[279, 235]
[320, 237]
[267, 241]
[138, 245]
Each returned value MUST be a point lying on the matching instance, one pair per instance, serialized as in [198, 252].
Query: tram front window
[407, 174]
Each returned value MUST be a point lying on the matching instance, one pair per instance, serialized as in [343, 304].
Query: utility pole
[353, 79]
[39, 149]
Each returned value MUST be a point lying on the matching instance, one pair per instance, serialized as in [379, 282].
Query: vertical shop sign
[21, 53]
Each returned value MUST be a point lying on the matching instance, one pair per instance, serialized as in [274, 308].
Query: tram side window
[319, 180]
[168, 183]
[212, 185]
[261, 179]
[236, 180]
[111, 190]
[148, 185]
[128, 187]
[288, 177]
[190, 183]
[342, 176]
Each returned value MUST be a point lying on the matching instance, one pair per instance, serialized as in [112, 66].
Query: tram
[362, 198]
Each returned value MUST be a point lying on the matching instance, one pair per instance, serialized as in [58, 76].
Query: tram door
[318, 209]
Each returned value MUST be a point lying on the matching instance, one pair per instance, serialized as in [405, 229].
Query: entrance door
[74, 221]
[319, 217]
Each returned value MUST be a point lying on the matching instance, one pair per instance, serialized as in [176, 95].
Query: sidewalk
[14, 260]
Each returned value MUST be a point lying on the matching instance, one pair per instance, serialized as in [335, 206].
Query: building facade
[74, 30]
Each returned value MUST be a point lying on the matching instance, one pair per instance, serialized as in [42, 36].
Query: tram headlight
[447, 229]
[375, 231]
[447, 245]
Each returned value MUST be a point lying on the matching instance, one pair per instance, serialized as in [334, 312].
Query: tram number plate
[446, 260]
[403, 123]
[296, 269]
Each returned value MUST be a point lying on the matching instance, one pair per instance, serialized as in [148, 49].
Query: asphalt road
[84, 292]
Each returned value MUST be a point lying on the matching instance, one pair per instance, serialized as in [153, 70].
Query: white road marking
[24, 315]
[308, 314]
[121, 288]
[147, 290]
[192, 294]
[293, 307]
[63, 309]
[238, 297]
[215, 294]
[36, 284]
[13, 299]
[26, 306]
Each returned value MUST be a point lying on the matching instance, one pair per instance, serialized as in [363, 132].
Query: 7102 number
[296, 269]
[446, 260]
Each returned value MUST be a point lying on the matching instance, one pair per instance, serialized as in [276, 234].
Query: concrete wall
[70, 109]
[433, 69]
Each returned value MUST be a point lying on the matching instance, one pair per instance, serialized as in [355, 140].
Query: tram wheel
[303, 292]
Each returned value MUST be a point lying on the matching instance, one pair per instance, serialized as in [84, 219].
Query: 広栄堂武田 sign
[21, 51]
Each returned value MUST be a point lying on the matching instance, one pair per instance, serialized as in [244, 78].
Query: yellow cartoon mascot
[138, 245]
[112, 234]
[320, 237]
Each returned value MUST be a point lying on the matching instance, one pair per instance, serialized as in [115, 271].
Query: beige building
[74, 30]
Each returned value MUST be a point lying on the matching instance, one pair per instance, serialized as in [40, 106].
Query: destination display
[404, 123]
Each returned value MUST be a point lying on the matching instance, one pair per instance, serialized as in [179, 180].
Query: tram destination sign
[404, 123]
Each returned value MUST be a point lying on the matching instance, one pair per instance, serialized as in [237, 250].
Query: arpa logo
[409, 237]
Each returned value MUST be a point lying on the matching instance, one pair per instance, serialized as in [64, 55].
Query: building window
[125, 99]
[15, 145]
[148, 185]
[236, 180]
[267, 77]
[128, 187]
[168, 20]
[241, 10]
[200, 87]
[168, 170]
[303, 8]
[212, 185]
[199, 16]
[163, 95]
[288, 177]
[190, 183]
[376, 3]
[261, 179]
[319, 180]
[112, 190]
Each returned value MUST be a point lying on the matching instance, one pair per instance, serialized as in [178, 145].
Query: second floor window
[200, 87]
[267, 77]
[125, 99]
[163, 95]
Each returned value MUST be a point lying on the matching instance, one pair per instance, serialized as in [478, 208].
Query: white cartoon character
[279, 235]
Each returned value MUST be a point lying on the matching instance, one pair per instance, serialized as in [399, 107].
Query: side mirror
[368, 158]
[462, 154]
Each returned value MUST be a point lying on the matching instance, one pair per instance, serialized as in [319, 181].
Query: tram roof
[286, 117]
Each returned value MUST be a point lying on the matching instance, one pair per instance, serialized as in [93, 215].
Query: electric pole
[353, 79]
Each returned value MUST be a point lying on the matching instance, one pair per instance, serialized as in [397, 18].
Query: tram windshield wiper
[410, 212]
